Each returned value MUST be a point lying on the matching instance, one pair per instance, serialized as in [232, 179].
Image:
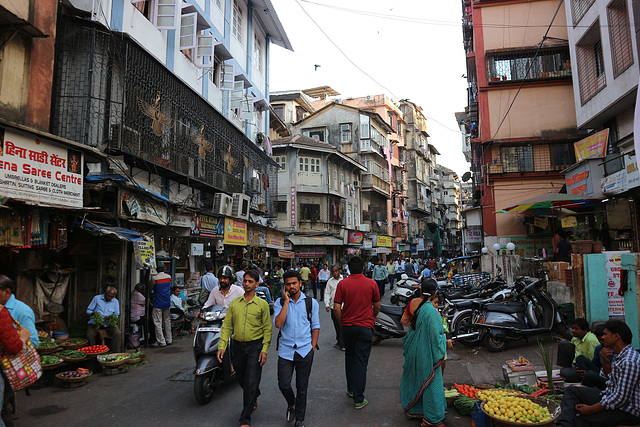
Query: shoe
[299, 424]
[169, 343]
[336, 345]
[290, 413]
[154, 345]
[343, 349]
[350, 394]
[362, 404]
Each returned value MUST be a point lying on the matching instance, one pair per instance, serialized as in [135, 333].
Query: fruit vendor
[619, 403]
[103, 312]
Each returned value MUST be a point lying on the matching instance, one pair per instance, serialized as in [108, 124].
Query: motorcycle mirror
[191, 301]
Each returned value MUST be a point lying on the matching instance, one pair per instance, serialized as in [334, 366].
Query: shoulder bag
[23, 368]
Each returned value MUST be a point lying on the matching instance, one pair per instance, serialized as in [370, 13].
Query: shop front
[316, 249]
[235, 241]
[383, 245]
[354, 244]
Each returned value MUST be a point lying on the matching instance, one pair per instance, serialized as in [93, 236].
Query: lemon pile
[507, 406]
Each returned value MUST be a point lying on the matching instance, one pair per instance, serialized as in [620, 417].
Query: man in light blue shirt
[207, 283]
[298, 340]
[105, 305]
[426, 273]
[20, 311]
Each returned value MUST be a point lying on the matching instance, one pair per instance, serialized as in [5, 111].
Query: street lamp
[497, 246]
[511, 247]
[485, 250]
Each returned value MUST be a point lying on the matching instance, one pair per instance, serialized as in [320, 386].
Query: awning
[119, 178]
[286, 254]
[548, 202]
[315, 241]
[119, 232]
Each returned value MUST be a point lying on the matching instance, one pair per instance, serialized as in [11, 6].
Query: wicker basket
[73, 379]
[72, 359]
[554, 411]
[136, 360]
[115, 363]
[52, 365]
[48, 350]
[70, 346]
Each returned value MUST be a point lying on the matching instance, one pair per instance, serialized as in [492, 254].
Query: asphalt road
[161, 392]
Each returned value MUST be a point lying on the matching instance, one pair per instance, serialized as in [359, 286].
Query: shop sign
[633, 174]
[180, 221]
[275, 240]
[384, 241]
[287, 245]
[569, 221]
[144, 252]
[473, 234]
[293, 206]
[256, 237]
[419, 244]
[37, 170]
[401, 248]
[353, 251]
[367, 244]
[381, 250]
[413, 249]
[614, 273]
[592, 146]
[541, 222]
[235, 232]
[355, 237]
[579, 183]
[145, 210]
[311, 253]
[615, 183]
[531, 245]
[207, 226]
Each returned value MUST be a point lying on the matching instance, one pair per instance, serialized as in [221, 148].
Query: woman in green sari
[421, 388]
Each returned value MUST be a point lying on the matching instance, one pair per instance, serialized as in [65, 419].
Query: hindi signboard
[235, 232]
[614, 272]
[207, 226]
[592, 146]
[38, 170]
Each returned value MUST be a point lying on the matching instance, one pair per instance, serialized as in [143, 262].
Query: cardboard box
[557, 270]
[522, 377]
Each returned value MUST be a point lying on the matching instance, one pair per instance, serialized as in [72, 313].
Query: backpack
[308, 302]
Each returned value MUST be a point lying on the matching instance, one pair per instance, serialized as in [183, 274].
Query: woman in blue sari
[421, 388]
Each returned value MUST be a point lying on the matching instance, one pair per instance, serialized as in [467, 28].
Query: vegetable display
[451, 393]
[73, 354]
[93, 349]
[502, 405]
[525, 388]
[113, 358]
[48, 344]
[78, 373]
[49, 360]
[135, 355]
[110, 320]
[71, 341]
[464, 405]
[466, 390]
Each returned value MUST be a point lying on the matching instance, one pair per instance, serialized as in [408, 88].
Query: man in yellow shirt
[583, 343]
[305, 272]
[249, 319]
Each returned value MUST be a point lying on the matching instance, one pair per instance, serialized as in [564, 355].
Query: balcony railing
[372, 181]
[518, 65]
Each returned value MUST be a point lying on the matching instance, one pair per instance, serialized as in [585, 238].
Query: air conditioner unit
[240, 207]
[364, 227]
[222, 204]
[126, 139]
[254, 185]
[356, 184]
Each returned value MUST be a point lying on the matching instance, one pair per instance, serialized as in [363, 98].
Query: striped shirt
[623, 386]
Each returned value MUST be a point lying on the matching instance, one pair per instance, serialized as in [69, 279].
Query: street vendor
[619, 403]
[100, 310]
[583, 343]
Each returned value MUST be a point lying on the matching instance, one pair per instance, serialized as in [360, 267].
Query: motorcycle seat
[467, 303]
[505, 307]
[393, 310]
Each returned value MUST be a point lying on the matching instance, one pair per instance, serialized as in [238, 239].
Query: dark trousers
[357, 343]
[590, 396]
[380, 287]
[591, 376]
[398, 278]
[302, 366]
[321, 286]
[392, 279]
[249, 372]
[566, 354]
[338, 328]
[314, 287]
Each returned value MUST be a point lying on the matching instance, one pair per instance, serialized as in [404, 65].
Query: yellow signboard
[541, 222]
[384, 241]
[569, 221]
[592, 146]
[235, 232]
[275, 239]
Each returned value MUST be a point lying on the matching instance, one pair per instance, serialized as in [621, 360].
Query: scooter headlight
[210, 316]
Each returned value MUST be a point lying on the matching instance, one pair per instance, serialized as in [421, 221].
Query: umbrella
[552, 201]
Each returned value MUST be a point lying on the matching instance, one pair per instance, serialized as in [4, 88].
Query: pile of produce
[504, 405]
[72, 341]
[136, 355]
[113, 357]
[466, 390]
[93, 349]
[48, 344]
[451, 392]
[110, 320]
[464, 405]
[49, 360]
[42, 334]
[73, 354]
[78, 373]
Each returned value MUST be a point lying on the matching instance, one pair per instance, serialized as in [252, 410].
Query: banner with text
[235, 232]
[614, 272]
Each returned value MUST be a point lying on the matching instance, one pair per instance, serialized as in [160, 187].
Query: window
[165, 14]
[279, 110]
[309, 164]
[281, 207]
[309, 212]
[525, 65]
[345, 133]
[237, 28]
[218, 4]
[517, 159]
[301, 113]
[579, 8]
[257, 53]
[390, 115]
[364, 127]
[315, 133]
[282, 162]
[399, 129]
[591, 75]
[620, 35]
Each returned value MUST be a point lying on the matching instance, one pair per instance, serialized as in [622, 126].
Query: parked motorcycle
[387, 324]
[404, 291]
[210, 373]
[532, 312]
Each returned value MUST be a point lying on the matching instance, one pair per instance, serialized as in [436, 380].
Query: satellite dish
[466, 177]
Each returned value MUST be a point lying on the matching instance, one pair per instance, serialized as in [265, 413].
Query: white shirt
[216, 297]
[330, 291]
[239, 277]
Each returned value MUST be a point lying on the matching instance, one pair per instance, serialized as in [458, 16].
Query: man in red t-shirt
[355, 305]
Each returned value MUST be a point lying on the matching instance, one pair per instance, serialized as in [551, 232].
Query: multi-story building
[290, 107]
[517, 65]
[604, 42]
[318, 203]
[449, 209]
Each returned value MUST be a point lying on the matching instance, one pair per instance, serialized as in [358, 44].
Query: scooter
[404, 291]
[210, 373]
[387, 324]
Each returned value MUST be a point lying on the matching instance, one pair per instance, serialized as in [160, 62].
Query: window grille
[620, 35]
[532, 158]
[282, 207]
[525, 65]
[591, 75]
[578, 9]
[310, 212]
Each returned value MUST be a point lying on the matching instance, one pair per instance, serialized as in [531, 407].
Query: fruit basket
[50, 362]
[48, 346]
[135, 358]
[74, 376]
[548, 412]
[71, 355]
[94, 350]
[113, 360]
[74, 343]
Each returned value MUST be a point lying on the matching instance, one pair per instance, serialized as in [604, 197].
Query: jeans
[358, 343]
[338, 328]
[314, 287]
[380, 287]
[162, 321]
[392, 279]
[590, 396]
[249, 372]
[321, 285]
[302, 366]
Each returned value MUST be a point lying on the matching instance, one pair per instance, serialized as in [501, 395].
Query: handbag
[23, 368]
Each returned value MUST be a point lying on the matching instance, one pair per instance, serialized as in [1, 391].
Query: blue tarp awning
[119, 232]
[119, 178]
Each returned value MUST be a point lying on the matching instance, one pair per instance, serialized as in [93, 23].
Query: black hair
[581, 323]
[253, 274]
[140, 287]
[291, 273]
[599, 330]
[208, 266]
[173, 288]
[428, 288]
[7, 283]
[619, 327]
[160, 267]
[355, 265]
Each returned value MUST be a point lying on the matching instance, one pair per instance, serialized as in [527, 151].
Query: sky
[403, 48]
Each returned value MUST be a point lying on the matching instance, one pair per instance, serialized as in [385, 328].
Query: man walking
[323, 277]
[299, 329]
[223, 294]
[161, 313]
[207, 283]
[329, 294]
[361, 300]
[305, 273]
[249, 320]
[380, 275]
[391, 269]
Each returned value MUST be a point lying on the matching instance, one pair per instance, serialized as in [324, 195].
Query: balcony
[397, 187]
[371, 146]
[372, 182]
[523, 64]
